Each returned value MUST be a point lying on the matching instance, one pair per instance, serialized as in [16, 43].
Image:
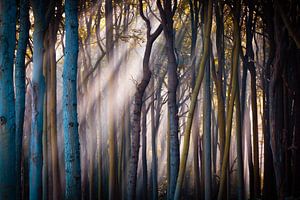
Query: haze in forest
[149, 99]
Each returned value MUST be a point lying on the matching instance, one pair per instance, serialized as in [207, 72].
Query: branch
[156, 33]
[152, 12]
[161, 10]
[288, 25]
[144, 17]
[174, 7]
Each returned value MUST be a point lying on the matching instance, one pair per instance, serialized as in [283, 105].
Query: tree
[218, 72]
[194, 15]
[7, 103]
[70, 123]
[144, 152]
[249, 61]
[105, 124]
[232, 92]
[167, 13]
[39, 8]
[56, 17]
[20, 87]
[207, 129]
[239, 157]
[138, 102]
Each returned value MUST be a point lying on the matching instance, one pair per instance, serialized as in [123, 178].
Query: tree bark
[38, 92]
[240, 167]
[138, 98]
[144, 152]
[207, 131]
[232, 92]
[20, 88]
[70, 121]
[7, 103]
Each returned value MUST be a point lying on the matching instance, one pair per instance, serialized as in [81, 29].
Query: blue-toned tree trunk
[70, 124]
[7, 104]
[38, 90]
[20, 88]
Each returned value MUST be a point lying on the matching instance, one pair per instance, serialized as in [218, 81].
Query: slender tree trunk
[250, 27]
[275, 109]
[195, 93]
[167, 14]
[269, 177]
[214, 152]
[7, 103]
[70, 122]
[20, 88]
[128, 126]
[153, 146]
[154, 128]
[194, 12]
[249, 64]
[231, 98]
[144, 152]
[255, 135]
[196, 159]
[53, 28]
[38, 91]
[250, 160]
[217, 75]
[138, 97]
[207, 131]
[168, 157]
[173, 116]
[239, 151]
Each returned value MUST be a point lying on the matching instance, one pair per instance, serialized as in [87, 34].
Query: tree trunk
[38, 91]
[173, 110]
[269, 177]
[217, 76]
[194, 12]
[167, 14]
[154, 129]
[239, 151]
[232, 92]
[7, 103]
[53, 29]
[276, 108]
[255, 135]
[207, 130]
[20, 88]
[144, 152]
[70, 123]
[138, 98]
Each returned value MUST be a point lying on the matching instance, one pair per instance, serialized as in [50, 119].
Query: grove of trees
[149, 99]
